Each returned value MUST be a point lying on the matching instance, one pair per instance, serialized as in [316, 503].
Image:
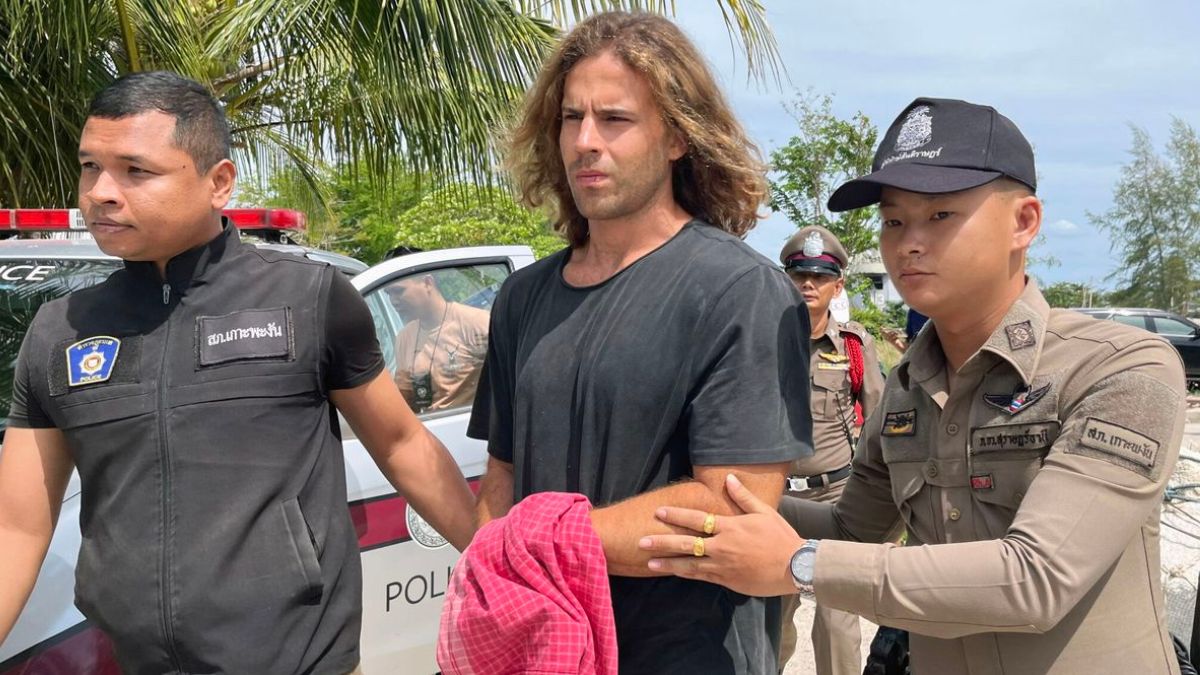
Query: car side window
[433, 328]
[1137, 321]
[1167, 326]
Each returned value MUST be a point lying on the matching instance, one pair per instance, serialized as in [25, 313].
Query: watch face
[802, 565]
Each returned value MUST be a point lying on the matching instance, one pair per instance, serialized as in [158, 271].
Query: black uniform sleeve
[26, 411]
[491, 414]
[751, 401]
[352, 356]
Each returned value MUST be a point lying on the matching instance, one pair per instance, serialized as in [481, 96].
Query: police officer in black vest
[193, 392]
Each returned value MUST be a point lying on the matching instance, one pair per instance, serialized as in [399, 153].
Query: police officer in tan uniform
[844, 372]
[440, 350]
[1026, 449]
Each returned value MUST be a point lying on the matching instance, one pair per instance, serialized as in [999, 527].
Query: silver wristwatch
[802, 565]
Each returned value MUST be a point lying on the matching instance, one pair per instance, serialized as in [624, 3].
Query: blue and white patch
[92, 360]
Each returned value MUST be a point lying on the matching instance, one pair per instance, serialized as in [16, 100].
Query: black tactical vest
[216, 537]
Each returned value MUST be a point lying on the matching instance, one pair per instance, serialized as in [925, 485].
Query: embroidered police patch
[1020, 335]
[1017, 401]
[90, 361]
[1118, 445]
[902, 423]
[248, 334]
[1036, 437]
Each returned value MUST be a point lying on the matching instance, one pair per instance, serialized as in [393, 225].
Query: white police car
[406, 564]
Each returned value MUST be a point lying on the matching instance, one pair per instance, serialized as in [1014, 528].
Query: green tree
[1154, 222]
[471, 215]
[827, 151]
[349, 210]
[304, 82]
[347, 214]
[1069, 294]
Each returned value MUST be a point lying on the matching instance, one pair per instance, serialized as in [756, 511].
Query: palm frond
[425, 85]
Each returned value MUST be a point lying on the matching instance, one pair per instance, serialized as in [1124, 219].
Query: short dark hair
[200, 126]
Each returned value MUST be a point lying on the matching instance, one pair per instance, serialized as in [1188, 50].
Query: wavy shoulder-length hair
[721, 179]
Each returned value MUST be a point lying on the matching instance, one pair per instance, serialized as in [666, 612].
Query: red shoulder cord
[854, 350]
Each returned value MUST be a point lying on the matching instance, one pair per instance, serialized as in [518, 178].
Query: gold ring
[710, 523]
[698, 547]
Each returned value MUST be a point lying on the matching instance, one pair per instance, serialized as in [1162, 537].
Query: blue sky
[1072, 74]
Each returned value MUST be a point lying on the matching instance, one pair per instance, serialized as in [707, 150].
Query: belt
[801, 483]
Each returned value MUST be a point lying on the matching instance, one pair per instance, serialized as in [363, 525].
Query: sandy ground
[801, 662]
[1180, 555]
[1181, 532]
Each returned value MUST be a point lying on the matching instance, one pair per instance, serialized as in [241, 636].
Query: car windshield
[24, 285]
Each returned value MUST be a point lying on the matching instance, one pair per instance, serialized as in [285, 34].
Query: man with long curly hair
[657, 353]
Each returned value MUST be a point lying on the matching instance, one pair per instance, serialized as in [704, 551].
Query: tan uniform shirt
[1030, 483]
[451, 354]
[832, 398]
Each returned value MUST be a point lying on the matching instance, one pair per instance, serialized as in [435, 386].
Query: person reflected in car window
[441, 348]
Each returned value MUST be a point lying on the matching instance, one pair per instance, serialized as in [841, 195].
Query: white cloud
[1079, 74]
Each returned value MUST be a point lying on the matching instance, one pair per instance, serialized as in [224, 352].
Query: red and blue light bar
[266, 219]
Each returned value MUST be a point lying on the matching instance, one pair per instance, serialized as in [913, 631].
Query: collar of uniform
[188, 267]
[832, 331]
[923, 360]
[1027, 316]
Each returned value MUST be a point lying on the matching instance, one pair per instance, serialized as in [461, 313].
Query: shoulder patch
[1118, 445]
[854, 328]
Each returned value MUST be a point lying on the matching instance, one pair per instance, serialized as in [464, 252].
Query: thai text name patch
[1132, 450]
[1010, 437]
[248, 334]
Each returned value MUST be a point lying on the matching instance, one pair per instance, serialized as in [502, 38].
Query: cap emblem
[916, 131]
[813, 246]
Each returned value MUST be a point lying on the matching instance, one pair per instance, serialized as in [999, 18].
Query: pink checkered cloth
[530, 595]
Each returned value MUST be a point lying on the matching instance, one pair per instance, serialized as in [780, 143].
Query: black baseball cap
[940, 145]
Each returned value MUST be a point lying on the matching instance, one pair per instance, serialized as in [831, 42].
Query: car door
[1184, 336]
[406, 564]
[1135, 320]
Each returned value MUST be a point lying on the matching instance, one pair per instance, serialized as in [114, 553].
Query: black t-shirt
[696, 354]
